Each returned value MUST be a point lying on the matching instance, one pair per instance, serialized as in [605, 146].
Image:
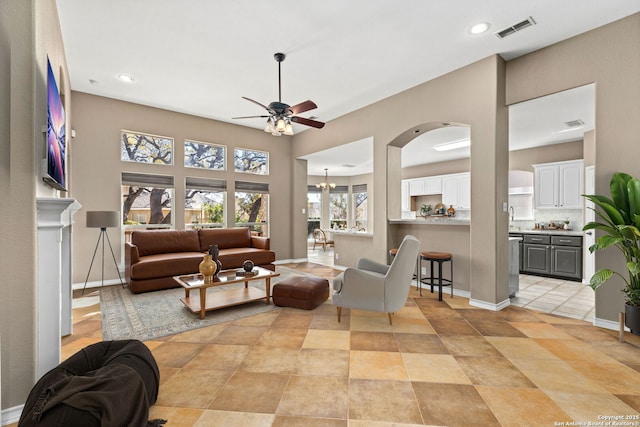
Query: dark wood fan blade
[250, 117]
[302, 107]
[307, 122]
[256, 102]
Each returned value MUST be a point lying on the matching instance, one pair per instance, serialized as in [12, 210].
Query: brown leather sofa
[153, 257]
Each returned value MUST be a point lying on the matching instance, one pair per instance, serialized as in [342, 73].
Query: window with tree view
[204, 202]
[338, 207]
[251, 161]
[359, 198]
[314, 209]
[147, 199]
[203, 155]
[145, 148]
[252, 206]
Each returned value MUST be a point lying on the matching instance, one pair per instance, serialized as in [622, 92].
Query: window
[250, 161]
[203, 155]
[144, 148]
[314, 209]
[252, 206]
[338, 207]
[359, 200]
[204, 202]
[146, 199]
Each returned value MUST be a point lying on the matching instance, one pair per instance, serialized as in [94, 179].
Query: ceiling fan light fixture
[288, 129]
[269, 127]
[280, 125]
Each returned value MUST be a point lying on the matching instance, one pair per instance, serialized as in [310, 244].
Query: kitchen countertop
[432, 221]
[548, 232]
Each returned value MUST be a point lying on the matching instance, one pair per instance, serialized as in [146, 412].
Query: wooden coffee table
[227, 297]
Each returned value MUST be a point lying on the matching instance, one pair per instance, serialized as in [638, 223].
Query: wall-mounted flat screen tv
[55, 175]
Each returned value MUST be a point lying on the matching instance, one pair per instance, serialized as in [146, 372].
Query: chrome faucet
[512, 211]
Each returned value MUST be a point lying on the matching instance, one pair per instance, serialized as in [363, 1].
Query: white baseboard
[608, 324]
[490, 306]
[11, 415]
[288, 261]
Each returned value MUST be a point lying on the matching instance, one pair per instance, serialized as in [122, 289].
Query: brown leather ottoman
[300, 292]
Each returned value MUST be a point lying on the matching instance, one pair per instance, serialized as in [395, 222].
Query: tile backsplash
[574, 216]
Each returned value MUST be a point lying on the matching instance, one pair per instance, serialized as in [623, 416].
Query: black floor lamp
[102, 220]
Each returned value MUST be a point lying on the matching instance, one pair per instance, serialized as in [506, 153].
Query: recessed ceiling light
[453, 145]
[479, 28]
[126, 78]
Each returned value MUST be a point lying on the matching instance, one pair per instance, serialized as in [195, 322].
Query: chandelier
[326, 184]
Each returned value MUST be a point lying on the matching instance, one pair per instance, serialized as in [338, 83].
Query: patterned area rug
[157, 314]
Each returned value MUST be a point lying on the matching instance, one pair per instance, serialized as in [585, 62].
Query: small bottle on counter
[451, 211]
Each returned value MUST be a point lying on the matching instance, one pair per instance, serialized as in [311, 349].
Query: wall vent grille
[516, 27]
[574, 123]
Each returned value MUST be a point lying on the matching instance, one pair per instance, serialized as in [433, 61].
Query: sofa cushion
[234, 257]
[237, 237]
[151, 242]
[163, 265]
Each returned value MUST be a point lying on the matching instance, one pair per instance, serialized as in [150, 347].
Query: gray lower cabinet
[566, 256]
[537, 254]
[551, 255]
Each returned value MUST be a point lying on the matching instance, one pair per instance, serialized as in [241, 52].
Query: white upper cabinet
[406, 199]
[425, 186]
[416, 187]
[456, 190]
[559, 185]
[433, 185]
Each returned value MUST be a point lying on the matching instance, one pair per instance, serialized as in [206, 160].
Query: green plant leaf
[608, 206]
[600, 277]
[633, 267]
[633, 189]
[619, 193]
[604, 242]
[600, 226]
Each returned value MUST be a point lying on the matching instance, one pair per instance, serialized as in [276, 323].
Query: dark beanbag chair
[111, 383]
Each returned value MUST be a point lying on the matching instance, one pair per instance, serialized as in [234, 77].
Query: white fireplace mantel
[53, 296]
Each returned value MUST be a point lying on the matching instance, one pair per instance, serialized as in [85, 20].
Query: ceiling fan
[281, 115]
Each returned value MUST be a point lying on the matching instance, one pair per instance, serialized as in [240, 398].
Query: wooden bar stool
[433, 257]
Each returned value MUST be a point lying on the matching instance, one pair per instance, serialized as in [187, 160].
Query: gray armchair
[378, 287]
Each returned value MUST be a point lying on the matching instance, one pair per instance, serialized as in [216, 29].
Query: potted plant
[619, 220]
[425, 210]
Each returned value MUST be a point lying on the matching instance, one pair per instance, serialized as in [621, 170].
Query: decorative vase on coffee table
[213, 251]
[208, 268]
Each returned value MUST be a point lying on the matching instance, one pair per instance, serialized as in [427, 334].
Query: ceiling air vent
[574, 123]
[516, 27]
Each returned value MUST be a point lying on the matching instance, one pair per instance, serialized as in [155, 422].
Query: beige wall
[610, 57]
[29, 32]
[523, 159]
[440, 168]
[589, 148]
[96, 168]
[519, 159]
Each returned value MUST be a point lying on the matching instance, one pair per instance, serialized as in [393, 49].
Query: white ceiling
[201, 56]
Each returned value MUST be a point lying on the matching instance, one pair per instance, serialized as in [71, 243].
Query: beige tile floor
[562, 297]
[442, 363]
